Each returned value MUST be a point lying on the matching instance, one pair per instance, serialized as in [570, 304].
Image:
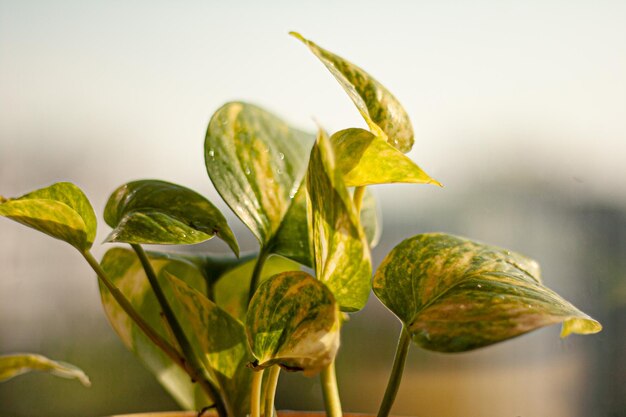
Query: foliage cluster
[217, 330]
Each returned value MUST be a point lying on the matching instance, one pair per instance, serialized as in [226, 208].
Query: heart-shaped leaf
[293, 321]
[256, 162]
[455, 295]
[381, 110]
[292, 240]
[341, 252]
[61, 210]
[18, 364]
[367, 159]
[125, 270]
[231, 290]
[219, 338]
[158, 212]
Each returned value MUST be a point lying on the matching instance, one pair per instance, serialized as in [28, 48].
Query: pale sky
[118, 90]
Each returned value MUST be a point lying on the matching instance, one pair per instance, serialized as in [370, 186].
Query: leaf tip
[297, 36]
[84, 379]
[111, 238]
[580, 326]
[435, 182]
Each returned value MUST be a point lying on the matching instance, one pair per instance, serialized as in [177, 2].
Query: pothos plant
[217, 330]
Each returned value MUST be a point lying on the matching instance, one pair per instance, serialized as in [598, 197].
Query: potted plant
[217, 331]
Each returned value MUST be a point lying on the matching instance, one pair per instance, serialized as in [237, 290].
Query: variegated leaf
[292, 240]
[18, 364]
[341, 252]
[455, 295]
[256, 162]
[371, 220]
[126, 272]
[366, 159]
[231, 290]
[61, 210]
[219, 338]
[381, 110]
[158, 212]
[293, 321]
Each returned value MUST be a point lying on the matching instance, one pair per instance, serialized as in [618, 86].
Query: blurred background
[519, 110]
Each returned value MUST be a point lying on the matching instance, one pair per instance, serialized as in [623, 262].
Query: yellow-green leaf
[219, 338]
[231, 290]
[18, 364]
[158, 212]
[61, 210]
[293, 321]
[341, 252]
[366, 159]
[455, 295]
[256, 162]
[126, 272]
[381, 110]
[292, 239]
[371, 220]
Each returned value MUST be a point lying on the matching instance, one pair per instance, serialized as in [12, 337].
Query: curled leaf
[18, 364]
[366, 159]
[455, 295]
[256, 162]
[383, 113]
[61, 210]
[292, 239]
[159, 212]
[341, 252]
[293, 321]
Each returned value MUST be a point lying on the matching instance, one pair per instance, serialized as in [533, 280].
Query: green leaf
[371, 220]
[256, 162]
[125, 271]
[61, 210]
[219, 338]
[292, 239]
[367, 159]
[158, 212]
[455, 295]
[231, 290]
[18, 364]
[341, 252]
[381, 110]
[293, 321]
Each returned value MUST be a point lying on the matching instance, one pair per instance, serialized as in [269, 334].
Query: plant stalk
[332, 401]
[359, 192]
[178, 331]
[255, 394]
[270, 390]
[396, 373]
[150, 333]
[256, 273]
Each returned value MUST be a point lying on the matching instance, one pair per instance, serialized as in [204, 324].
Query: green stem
[332, 401]
[396, 373]
[178, 331]
[256, 273]
[150, 333]
[255, 394]
[359, 192]
[270, 390]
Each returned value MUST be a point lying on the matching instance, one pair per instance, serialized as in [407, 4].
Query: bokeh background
[519, 109]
